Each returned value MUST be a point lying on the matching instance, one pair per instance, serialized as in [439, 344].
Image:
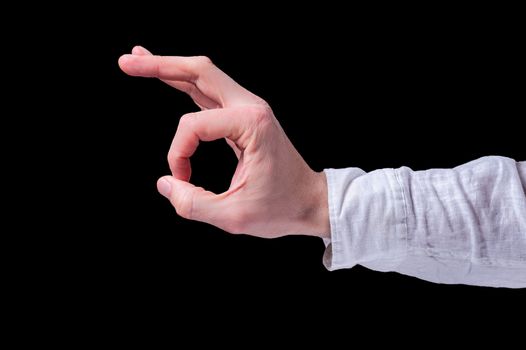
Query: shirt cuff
[367, 219]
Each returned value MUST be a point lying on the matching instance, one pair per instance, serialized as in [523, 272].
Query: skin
[273, 191]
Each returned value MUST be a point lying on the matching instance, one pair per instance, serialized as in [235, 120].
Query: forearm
[462, 225]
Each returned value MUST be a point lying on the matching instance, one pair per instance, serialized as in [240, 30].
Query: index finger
[207, 125]
[197, 70]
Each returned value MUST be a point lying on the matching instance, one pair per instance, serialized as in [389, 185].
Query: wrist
[317, 207]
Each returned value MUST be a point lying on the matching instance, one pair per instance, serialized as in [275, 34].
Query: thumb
[190, 202]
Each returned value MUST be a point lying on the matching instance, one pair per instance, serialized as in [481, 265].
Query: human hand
[273, 191]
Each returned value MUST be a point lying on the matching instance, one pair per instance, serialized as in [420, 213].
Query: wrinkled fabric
[465, 225]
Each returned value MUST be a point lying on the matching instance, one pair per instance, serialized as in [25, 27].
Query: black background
[367, 88]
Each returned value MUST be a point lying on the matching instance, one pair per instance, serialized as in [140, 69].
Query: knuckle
[183, 204]
[186, 120]
[260, 112]
[202, 62]
[205, 59]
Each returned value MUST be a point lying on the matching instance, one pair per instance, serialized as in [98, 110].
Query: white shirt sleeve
[463, 225]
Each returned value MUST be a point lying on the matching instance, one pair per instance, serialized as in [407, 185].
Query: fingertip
[123, 61]
[164, 186]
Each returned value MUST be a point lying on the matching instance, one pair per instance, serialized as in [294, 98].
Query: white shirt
[463, 225]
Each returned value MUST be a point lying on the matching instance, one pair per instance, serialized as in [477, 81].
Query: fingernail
[164, 187]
